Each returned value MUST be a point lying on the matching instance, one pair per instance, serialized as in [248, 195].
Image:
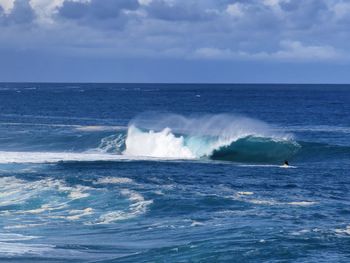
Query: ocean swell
[218, 137]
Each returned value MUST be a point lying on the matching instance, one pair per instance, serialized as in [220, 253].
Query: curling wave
[257, 149]
[218, 137]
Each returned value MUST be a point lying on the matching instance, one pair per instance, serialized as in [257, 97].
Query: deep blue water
[174, 173]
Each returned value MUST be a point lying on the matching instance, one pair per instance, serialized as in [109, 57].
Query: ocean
[174, 173]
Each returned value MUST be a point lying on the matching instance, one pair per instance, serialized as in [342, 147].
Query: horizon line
[168, 83]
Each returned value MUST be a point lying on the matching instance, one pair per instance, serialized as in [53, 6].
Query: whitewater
[212, 136]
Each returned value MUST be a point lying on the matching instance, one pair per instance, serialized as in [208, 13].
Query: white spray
[175, 136]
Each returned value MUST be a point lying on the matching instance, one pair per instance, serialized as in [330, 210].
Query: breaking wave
[165, 136]
[152, 135]
[218, 137]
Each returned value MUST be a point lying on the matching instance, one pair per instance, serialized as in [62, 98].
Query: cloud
[341, 11]
[277, 30]
[295, 50]
[145, 2]
[235, 10]
[45, 9]
[305, 14]
[17, 12]
[179, 10]
[7, 5]
[109, 14]
[96, 9]
[289, 50]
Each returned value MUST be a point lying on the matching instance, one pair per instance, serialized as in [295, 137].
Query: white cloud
[289, 50]
[274, 3]
[295, 50]
[145, 2]
[235, 10]
[45, 9]
[341, 9]
[214, 53]
[7, 5]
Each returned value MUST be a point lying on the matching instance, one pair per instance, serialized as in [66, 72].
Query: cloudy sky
[274, 41]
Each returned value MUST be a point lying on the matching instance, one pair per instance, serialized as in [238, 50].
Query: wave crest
[219, 137]
[256, 149]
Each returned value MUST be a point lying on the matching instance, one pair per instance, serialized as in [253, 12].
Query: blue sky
[219, 41]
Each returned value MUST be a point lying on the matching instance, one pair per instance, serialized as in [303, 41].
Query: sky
[175, 41]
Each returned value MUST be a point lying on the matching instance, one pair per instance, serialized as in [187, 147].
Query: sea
[174, 173]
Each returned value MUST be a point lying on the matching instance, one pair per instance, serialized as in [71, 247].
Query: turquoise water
[174, 173]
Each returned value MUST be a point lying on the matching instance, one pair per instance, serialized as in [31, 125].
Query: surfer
[286, 164]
